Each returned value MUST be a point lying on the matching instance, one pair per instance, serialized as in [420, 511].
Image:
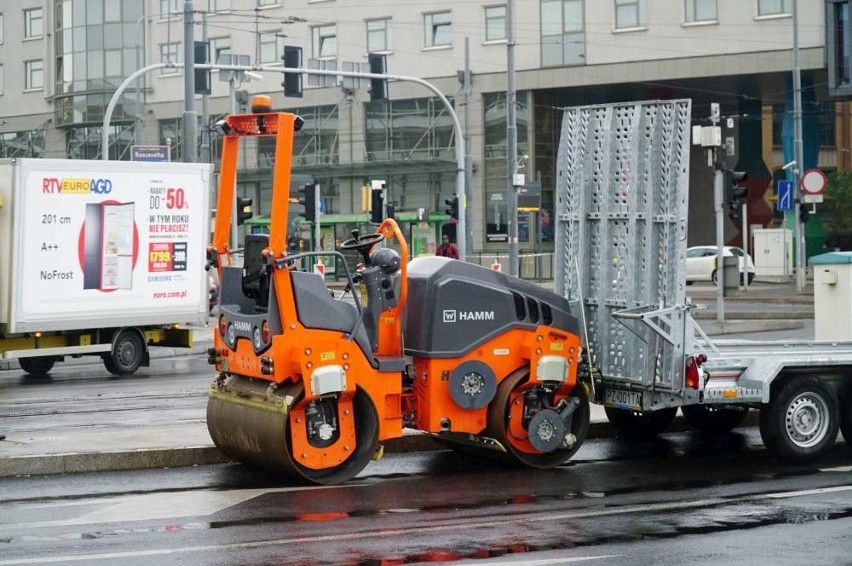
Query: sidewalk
[66, 448]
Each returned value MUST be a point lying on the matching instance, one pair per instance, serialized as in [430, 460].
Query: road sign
[529, 197]
[813, 185]
[149, 153]
[785, 196]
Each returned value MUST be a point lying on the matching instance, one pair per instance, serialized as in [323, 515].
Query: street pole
[511, 141]
[190, 126]
[718, 207]
[232, 109]
[799, 154]
[466, 205]
[205, 108]
[745, 246]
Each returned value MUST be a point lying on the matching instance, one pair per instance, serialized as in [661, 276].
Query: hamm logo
[453, 315]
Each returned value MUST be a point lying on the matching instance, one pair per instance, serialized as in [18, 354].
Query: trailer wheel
[714, 419]
[39, 365]
[801, 422]
[640, 425]
[126, 355]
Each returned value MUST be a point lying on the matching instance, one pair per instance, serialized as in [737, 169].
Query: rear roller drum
[536, 430]
[325, 442]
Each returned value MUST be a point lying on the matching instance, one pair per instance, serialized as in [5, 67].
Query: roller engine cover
[454, 306]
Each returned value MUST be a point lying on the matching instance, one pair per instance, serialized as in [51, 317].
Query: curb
[74, 463]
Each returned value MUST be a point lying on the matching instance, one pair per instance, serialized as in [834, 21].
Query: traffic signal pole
[719, 208]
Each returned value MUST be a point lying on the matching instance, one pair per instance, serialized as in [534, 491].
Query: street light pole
[190, 125]
[799, 154]
[511, 142]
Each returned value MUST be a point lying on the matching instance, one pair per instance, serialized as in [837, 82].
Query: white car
[701, 263]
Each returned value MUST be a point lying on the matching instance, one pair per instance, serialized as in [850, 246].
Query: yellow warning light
[261, 104]
[730, 393]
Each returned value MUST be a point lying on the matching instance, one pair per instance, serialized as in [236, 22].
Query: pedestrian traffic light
[244, 211]
[739, 194]
[453, 207]
[377, 205]
[378, 66]
[308, 199]
[292, 81]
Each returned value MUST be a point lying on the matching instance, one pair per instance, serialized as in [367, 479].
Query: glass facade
[29, 143]
[98, 44]
[404, 130]
[496, 209]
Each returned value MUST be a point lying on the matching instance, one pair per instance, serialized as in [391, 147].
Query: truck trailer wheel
[714, 419]
[640, 425]
[126, 355]
[801, 422]
[39, 365]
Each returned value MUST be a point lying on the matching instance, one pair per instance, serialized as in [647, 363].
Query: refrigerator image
[108, 246]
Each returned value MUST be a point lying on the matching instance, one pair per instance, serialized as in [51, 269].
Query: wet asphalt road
[682, 498]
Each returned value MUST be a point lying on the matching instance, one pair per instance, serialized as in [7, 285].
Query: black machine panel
[454, 306]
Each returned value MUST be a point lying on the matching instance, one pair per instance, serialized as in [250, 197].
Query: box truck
[101, 258]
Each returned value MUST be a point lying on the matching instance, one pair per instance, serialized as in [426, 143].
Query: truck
[101, 258]
[621, 218]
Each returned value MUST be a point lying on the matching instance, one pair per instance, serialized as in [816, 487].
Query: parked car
[701, 263]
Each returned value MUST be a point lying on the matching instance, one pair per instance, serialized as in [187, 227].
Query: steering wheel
[364, 242]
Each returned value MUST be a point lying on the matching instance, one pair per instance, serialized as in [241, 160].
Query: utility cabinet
[832, 296]
[773, 252]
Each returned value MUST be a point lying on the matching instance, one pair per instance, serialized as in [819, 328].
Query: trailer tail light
[693, 376]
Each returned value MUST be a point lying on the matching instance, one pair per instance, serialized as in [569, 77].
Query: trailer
[621, 218]
[100, 258]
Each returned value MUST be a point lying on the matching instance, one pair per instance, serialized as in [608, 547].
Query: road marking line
[837, 469]
[168, 505]
[805, 492]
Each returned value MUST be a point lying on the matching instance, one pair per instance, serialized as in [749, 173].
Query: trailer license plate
[621, 398]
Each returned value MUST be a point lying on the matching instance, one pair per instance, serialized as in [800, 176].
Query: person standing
[447, 248]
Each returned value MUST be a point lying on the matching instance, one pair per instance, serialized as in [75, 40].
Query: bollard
[319, 269]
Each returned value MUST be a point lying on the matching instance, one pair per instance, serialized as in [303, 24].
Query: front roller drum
[256, 425]
[551, 435]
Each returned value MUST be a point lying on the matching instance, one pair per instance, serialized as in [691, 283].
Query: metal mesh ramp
[621, 210]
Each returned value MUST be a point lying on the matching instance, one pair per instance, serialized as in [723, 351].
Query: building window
[325, 42]
[405, 130]
[27, 143]
[219, 5]
[773, 7]
[378, 35]
[629, 13]
[2, 28]
[170, 53]
[318, 140]
[495, 23]
[701, 11]
[2, 85]
[271, 47]
[438, 28]
[562, 33]
[34, 74]
[838, 47]
[33, 23]
[170, 8]
[269, 2]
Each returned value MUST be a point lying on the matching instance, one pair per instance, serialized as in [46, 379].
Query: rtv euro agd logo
[53, 185]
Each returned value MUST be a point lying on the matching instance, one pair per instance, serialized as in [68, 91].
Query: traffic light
[292, 81]
[308, 199]
[738, 195]
[453, 207]
[377, 205]
[804, 213]
[378, 66]
[244, 211]
[202, 76]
